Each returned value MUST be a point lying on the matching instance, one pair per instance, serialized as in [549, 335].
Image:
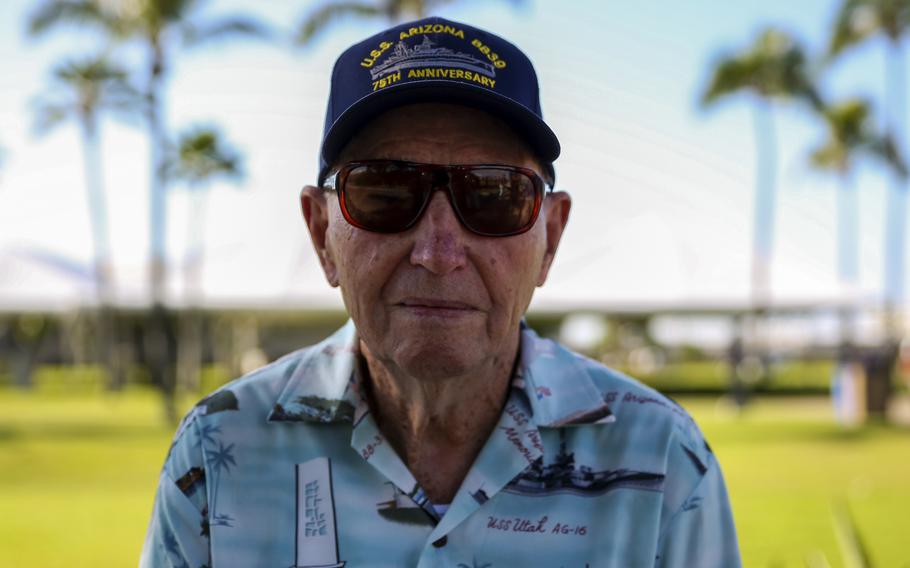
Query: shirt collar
[556, 383]
[322, 386]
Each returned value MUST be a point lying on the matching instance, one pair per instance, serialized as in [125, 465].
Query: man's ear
[315, 209]
[556, 207]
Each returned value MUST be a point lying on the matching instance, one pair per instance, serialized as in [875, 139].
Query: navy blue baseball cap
[434, 60]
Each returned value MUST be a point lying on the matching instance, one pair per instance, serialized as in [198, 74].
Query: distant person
[436, 428]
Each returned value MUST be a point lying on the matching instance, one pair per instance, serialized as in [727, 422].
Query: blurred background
[738, 241]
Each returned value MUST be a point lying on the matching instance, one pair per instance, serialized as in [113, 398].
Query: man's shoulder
[645, 414]
[653, 427]
[258, 392]
[629, 397]
[249, 395]
[625, 395]
[258, 388]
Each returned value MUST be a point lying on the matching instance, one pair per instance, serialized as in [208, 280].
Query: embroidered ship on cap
[426, 54]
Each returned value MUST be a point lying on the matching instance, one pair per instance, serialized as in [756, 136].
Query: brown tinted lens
[384, 197]
[495, 201]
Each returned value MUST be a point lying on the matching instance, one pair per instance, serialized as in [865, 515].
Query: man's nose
[439, 238]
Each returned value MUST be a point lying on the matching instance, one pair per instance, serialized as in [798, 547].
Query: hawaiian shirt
[286, 467]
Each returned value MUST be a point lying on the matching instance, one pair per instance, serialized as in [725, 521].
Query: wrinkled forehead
[439, 133]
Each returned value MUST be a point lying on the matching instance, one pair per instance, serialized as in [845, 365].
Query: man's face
[436, 300]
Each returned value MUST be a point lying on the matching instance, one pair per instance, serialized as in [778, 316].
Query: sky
[662, 189]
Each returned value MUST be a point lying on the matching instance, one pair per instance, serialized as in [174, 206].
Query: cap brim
[526, 124]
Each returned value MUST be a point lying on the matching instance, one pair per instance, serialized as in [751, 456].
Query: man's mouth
[436, 307]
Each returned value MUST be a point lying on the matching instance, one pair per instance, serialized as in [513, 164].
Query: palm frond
[200, 156]
[83, 87]
[48, 115]
[730, 75]
[886, 149]
[858, 20]
[320, 19]
[774, 66]
[828, 157]
[92, 69]
[222, 458]
[194, 34]
[170, 11]
[852, 133]
[53, 13]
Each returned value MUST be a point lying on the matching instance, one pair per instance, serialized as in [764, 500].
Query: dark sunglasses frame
[337, 182]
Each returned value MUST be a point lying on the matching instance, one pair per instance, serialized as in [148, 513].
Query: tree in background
[851, 136]
[773, 68]
[80, 90]
[200, 157]
[392, 11]
[159, 27]
[856, 22]
[320, 19]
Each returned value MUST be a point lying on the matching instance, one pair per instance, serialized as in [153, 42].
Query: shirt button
[440, 542]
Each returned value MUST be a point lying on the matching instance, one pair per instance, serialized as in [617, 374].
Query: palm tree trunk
[161, 345]
[847, 234]
[880, 368]
[196, 240]
[158, 202]
[190, 346]
[212, 512]
[763, 229]
[765, 182]
[847, 258]
[94, 184]
[896, 210]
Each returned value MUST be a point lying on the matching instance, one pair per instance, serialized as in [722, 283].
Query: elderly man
[436, 429]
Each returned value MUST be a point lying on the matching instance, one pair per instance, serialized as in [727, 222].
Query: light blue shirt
[586, 468]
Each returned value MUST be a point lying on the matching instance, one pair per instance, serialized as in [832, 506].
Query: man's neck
[438, 426]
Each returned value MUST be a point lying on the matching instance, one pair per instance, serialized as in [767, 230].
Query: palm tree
[773, 68]
[157, 26]
[207, 435]
[857, 21]
[154, 24]
[851, 136]
[80, 90]
[201, 156]
[319, 20]
[220, 460]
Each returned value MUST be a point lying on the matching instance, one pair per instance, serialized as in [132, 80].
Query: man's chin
[435, 361]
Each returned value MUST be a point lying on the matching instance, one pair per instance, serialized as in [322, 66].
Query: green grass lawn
[786, 465]
[78, 473]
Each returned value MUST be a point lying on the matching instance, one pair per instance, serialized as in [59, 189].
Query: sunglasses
[389, 196]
